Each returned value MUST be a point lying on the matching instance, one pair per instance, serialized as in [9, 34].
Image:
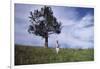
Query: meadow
[25, 55]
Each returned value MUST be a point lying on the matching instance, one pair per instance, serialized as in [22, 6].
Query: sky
[77, 22]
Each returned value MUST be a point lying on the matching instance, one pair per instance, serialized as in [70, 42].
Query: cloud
[77, 31]
[78, 35]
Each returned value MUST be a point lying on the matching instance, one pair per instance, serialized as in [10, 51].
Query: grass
[25, 55]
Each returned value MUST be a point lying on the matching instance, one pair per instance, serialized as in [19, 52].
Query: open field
[25, 55]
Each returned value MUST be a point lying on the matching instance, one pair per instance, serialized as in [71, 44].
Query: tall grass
[38, 55]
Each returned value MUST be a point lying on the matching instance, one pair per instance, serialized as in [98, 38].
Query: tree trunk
[46, 42]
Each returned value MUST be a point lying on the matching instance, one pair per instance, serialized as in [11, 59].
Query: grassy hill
[38, 55]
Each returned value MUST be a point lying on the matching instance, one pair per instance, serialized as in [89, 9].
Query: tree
[43, 23]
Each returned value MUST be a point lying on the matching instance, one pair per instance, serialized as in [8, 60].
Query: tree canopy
[44, 23]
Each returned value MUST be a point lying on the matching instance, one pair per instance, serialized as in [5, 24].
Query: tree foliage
[44, 23]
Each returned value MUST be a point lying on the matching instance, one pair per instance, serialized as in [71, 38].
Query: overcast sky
[77, 22]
